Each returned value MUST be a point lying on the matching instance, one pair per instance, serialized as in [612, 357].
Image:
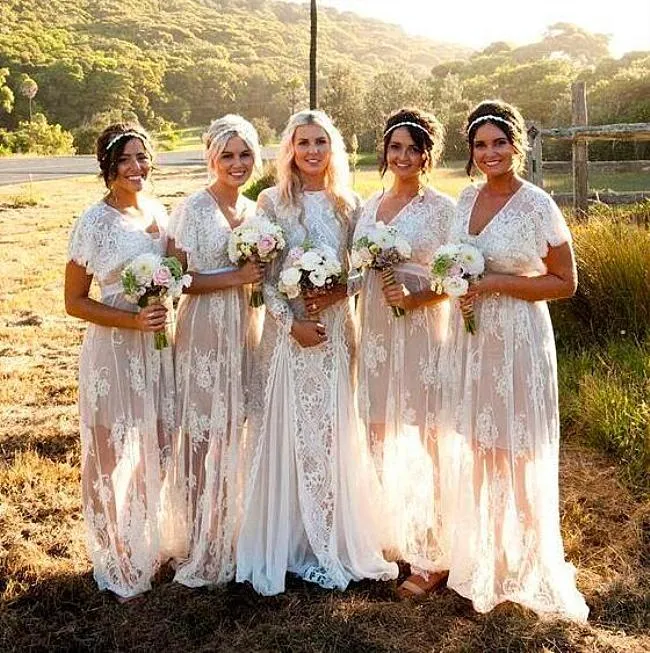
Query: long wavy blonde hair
[337, 174]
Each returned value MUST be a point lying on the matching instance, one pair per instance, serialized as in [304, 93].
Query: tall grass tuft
[605, 399]
[613, 296]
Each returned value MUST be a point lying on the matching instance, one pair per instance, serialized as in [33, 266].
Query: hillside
[188, 60]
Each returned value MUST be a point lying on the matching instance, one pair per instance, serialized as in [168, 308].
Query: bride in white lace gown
[504, 397]
[399, 384]
[215, 326]
[309, 502]
[126, 386]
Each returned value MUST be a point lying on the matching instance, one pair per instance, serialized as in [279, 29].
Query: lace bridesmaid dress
[503, 400]
[311, 484]
[399, 386]
[126, 405]
[212, 338]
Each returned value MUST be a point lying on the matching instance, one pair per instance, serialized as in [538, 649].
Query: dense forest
[78, 63]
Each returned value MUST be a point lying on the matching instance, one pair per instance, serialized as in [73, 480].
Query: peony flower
[265, 245]
[318, 277]
[471, 260]
[290, 276]
[144, 267]
[403, 247]
[310, 260]
[162, 276]
[455, 286]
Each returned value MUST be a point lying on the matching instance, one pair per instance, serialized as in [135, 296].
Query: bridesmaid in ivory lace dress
[399, 387]
[214, 325]
[126, 386]
[503, 383]
[309, 501]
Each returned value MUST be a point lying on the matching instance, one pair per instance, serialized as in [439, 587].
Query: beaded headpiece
[127, 134]
[486, 117]
[407, 124]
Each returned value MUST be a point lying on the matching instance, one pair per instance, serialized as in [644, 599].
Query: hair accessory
[408, 124]
[127, 134]
[488, 116]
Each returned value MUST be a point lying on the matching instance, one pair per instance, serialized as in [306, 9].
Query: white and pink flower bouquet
[151, 279]
[381, 248]
[453, 268]
[309, 269]
[259, 240]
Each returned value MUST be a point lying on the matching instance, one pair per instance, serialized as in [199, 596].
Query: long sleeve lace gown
[504, 403]
[126, 405]
[399, 386]
[213, 333]
[309, 505]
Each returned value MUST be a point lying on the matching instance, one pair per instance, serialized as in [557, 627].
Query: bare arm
[559, 282]
[78, 304]
[250, 272]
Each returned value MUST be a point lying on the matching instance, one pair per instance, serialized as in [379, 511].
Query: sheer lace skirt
[212, 374]
[399, 399]
[126, 400]
[503, 406]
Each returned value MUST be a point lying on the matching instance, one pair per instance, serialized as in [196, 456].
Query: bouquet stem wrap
[160, 338]
[257, 296]
[469, 318]
[388, 275]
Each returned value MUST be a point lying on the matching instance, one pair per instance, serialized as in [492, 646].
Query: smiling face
[234, 164]
[493, 153]
[133, 168]
[312, 151]
[403, 157]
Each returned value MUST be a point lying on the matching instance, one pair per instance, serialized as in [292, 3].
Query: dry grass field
[48, 600]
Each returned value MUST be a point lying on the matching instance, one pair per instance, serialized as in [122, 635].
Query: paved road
[16, 170]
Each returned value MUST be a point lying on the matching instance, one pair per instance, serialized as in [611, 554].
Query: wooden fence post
[580, 149]
[534, 159]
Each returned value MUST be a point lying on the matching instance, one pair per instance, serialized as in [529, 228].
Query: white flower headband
[408, 124]
[489, 116]
[127, 134]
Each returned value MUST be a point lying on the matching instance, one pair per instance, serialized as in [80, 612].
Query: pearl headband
[128, 134]
[408, 124]
[489, 116]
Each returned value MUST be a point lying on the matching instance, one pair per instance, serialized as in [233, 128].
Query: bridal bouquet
[260, 240]
[381, 248]
[310, 269]
[452, 269]
[150, 279]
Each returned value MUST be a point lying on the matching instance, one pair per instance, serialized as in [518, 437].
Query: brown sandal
[417, 588]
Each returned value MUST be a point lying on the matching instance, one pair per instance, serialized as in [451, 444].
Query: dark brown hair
[508, 119]
[108, 155]
[429, 138]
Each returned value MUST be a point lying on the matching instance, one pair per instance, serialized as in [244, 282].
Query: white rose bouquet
[452, 269]
[311, 269]
[381, 248]
[259, 240]
[150, 279]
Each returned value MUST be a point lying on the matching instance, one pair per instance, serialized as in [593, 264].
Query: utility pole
[313, 49]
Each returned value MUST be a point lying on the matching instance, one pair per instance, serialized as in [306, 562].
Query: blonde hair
[221, 131]
[337, 174]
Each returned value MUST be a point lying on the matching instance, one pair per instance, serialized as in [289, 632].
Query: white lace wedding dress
[399, 386]
[212, 345]
[504, 402]
[126, 405]
[309, 503]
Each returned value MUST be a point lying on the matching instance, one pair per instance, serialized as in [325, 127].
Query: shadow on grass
[67, 613]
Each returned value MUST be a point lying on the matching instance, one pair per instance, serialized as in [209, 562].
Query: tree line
[183, 62]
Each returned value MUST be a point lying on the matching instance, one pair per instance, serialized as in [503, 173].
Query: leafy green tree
[39, 137]
[6, 94]
[343, 99]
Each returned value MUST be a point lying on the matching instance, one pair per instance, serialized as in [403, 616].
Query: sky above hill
[476, 24]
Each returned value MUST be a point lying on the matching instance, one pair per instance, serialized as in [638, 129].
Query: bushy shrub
[85, 136]
[605, 400]
[613, 296]
[39, 137]
[267, 180]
